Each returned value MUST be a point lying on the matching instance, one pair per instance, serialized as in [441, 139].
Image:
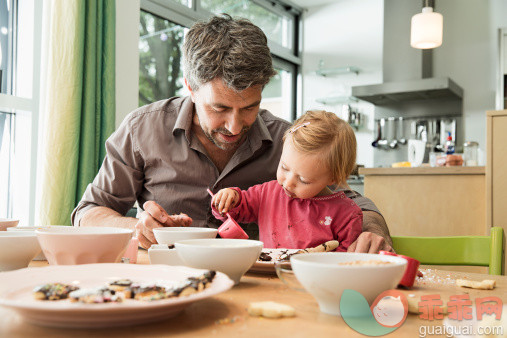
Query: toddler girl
[298, 210]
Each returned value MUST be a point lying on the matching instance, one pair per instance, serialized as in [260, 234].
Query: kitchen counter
[430, 201]
[424, 171]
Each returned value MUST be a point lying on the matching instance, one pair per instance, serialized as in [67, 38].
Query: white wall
[127, 57]
[344, 33]
[349, 32]
[469, 55]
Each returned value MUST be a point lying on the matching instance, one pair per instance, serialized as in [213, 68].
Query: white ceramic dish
[83, 245]
[169, 235]
[40, 256]
[231, 256]
[269, 266]
[161, 254]
[16, 293]
[322, 275]
[7, 223]
[17, 249]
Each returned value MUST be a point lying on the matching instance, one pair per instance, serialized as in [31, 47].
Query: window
[20, 27]
[160, 66]
[273, 24]
[163, 24]
[277, 96]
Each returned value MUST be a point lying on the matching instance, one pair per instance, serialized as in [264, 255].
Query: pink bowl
[83, 245]
[231, 229]
[408, 278]
[7, 223]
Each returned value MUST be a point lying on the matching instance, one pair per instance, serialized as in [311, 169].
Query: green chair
[455, 250]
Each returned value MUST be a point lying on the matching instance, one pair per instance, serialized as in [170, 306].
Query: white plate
[16, 293]
[269, 267]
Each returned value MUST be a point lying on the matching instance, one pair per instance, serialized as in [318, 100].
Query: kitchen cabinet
[501, 89]
[496, 179]
[430, 201]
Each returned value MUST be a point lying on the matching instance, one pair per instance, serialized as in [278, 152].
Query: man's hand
[369, 242]
[375, 235]
[225, 200]
[154, 216]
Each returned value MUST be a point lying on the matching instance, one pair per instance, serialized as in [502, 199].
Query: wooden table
[225, 315]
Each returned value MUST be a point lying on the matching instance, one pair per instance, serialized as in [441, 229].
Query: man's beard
[225, 145]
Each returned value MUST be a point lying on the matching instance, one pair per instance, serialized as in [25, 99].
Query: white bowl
[33, 228]
[231, 256]
[7, 223]
[169, 235]
[83, 245]
[161, 254]
[40, 256]
[325, 279]
[17, 249]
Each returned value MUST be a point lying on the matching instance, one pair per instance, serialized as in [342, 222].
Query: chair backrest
[455, 250]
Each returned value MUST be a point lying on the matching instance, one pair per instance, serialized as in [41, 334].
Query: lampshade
[426, 29]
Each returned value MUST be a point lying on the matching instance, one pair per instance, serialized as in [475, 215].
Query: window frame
[11, 103]
[282, 56]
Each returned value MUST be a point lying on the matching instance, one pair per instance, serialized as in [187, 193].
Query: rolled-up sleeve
[120, 178]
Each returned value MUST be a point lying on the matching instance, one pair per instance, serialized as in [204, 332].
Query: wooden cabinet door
[496, 170]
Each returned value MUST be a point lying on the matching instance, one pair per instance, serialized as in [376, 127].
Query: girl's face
[302, 175]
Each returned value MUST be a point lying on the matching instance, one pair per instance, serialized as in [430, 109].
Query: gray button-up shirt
[153, 155]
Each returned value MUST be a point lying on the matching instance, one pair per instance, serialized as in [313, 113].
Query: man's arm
[375, 236]
[153, 216]
[103, 216]
[374, 222]
[113, 191]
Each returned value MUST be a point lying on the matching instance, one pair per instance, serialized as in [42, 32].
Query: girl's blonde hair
[330, 135]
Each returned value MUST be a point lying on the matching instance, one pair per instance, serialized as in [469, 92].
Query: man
[165, 155]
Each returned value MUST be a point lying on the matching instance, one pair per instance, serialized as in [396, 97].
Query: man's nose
[233, 123]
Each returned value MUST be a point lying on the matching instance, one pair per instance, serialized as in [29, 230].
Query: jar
[470, 152]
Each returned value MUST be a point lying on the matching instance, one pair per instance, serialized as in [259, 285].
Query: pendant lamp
[426, 29]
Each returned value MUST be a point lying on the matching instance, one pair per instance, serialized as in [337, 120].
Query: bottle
[471, 152]
[449, 144]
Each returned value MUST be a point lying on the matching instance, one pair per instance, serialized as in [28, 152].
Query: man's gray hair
[234, 50]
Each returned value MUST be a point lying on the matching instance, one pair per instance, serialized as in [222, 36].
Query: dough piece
[265, 257]
[271, 310]
[121, 286]
[324, 247]
[53, 291]
[413, 304]
[486, 284]
[148, 292]
[95, 295]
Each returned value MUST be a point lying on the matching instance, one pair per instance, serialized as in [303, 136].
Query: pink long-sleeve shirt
[295, 223]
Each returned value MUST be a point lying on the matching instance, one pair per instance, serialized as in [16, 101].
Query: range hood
[407, 73]
[409, 90]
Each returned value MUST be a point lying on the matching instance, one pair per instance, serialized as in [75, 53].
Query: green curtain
[79, 110]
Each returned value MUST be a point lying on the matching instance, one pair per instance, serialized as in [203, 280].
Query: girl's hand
[225, 200]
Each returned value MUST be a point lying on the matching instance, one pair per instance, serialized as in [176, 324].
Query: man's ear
[189, 89]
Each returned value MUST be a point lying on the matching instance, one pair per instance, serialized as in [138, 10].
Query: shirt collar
[185, 114]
